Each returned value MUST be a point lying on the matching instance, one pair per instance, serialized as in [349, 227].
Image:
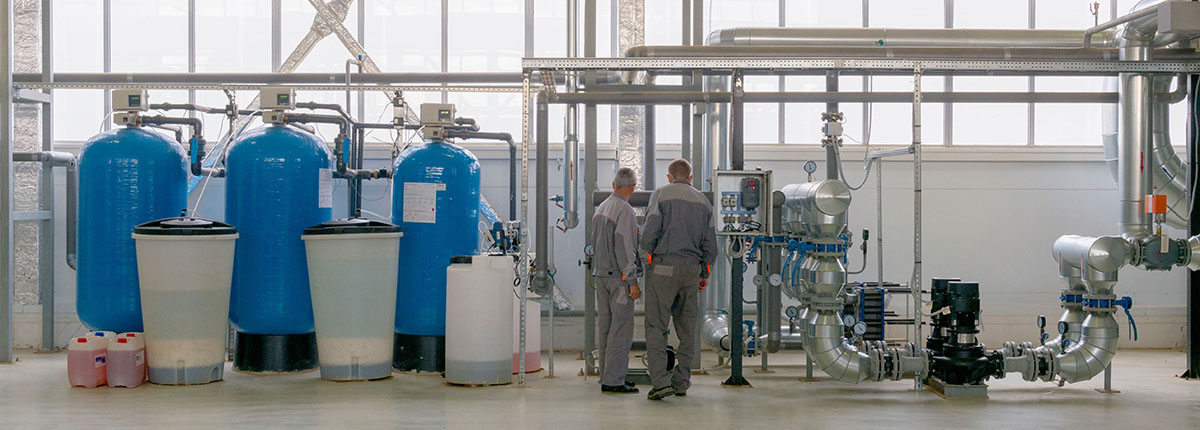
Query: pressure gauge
[775, 279]
[1062, 327]
[860, 328]
[810, 166]
[792, 312]
[589, 250]
[758, 280]
[849, 320]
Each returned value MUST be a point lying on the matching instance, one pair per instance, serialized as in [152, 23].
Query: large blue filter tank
[127, 176]
[435, 201]
[278, 182]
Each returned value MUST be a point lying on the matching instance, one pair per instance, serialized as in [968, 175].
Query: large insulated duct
[1165, 168]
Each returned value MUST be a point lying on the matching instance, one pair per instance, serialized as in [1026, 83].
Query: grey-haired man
[616, 268]
[680, 245]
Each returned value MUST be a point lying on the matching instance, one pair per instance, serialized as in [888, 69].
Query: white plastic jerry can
[126, 360]
[87, 359]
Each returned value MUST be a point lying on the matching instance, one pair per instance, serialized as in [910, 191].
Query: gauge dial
[810, 166]
[589, 250]
[849, 320]
[860, 328]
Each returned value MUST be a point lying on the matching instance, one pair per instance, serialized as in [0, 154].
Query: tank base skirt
[275, 353]
[419, 353]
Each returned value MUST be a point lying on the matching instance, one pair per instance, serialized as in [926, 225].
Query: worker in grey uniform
[680, 246]
[616, 268]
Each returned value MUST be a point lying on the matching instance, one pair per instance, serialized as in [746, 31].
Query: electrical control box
[277, 98]
[129, 100]
[743, 202]
[437, 114]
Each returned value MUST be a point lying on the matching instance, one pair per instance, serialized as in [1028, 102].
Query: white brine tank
[185, 266]
[479, 291]
[352, 266]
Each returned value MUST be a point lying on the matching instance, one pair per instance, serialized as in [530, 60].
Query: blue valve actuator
[1127, 304]
[194, 146]
[345, 149]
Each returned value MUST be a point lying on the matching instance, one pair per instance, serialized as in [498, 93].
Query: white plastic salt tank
[533, 334]
[185, 266]
[478, 292]
[352, 269]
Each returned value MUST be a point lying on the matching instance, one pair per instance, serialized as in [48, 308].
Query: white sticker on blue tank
[325, 185]
[420, 201]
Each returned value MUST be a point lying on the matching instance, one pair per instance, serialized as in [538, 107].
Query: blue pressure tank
[127, 176]
[278, 181]
[435, 201]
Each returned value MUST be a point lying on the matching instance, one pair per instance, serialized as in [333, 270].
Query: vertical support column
[915, 283]
[589, 186]
[782, 121]
[948, 108]
[1193, 284]
[685, 114]
[523, 263]
[737, 162]
[276, 34]
[6, 184]
[699, 155]
[106, 46]
[649, 148]
[1031, 109]
[446, 53]
[46, 233]
[191, 61]
[866, 81]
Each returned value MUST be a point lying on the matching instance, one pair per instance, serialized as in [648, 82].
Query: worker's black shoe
[617, 389]
[680, 393]
[660, 393]
[629, 383]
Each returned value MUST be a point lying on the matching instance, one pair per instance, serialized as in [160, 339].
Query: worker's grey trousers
[616, 329]
[672, 291]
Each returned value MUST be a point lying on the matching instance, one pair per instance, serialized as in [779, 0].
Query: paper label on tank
[139, 358]
[325, 187]
[420, 201]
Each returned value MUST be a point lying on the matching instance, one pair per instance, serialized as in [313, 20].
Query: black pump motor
[961, 359]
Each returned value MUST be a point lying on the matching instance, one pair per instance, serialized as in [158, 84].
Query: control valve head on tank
[274, 101]
[126, 105]
[435, 117]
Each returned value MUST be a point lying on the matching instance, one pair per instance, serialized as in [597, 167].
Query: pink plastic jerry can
[87, 359]
[126, 361]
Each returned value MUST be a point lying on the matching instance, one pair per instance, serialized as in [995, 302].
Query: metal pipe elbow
[1095, 350]
[833, 354]
[1103, 254]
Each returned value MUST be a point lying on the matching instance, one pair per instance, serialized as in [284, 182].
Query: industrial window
[406, 36]
[78, 47]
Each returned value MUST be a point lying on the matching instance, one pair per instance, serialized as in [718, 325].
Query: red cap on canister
[1156, 203]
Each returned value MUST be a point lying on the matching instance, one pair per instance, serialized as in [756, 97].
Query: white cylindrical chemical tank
[533, 334]
[185, 266]
[352, 274]
[479, 290]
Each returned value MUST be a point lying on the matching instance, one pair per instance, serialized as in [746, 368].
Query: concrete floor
[34, 394]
